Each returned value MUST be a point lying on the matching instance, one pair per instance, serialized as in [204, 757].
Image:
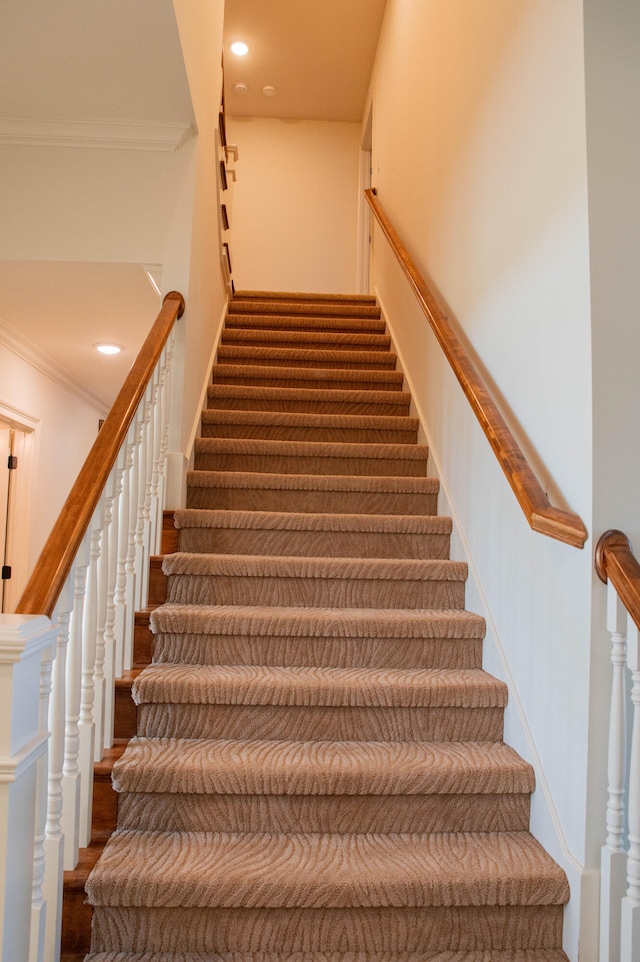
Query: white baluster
[71, 770]
[54, 836]
[141, 555]
[38, 903]
[613, 857]
[99, 677]
[121, 574]
[159, 449]
[86, 726]
[166, 407]
[630, 921]
[112, 641]
[149, 524]
[133, 462]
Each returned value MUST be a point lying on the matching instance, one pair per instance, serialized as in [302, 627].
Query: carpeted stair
[318, 773]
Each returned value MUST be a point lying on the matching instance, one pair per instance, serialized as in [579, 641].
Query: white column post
[613, 858]
[38, 902]
[54, 837]
[25, 643]
[630, 921]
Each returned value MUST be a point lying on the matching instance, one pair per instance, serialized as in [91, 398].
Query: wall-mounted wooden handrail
[616, 562]
[53, 566]
[540, 513]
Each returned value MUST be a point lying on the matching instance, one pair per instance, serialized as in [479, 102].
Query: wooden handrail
[616, 562]
[53, 566]
[540, 513]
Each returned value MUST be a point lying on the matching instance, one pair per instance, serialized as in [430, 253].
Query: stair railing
[618, 568]
[541, 515]
[71, 638]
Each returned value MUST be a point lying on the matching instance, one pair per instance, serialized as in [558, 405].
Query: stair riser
[323, 813]
[220, 589]
[285, 322]
[391, 930]
[300, 310]
[342, 723]
[320, 652]
[329, 544]
[283, 464]
[305, 340]
[310, 406]
[263, 357]
[256, 376]
[284, 432]
[314, 502]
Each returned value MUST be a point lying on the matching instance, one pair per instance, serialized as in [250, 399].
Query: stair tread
[312, 449]
[349, 376]
[284, 566]
[312, 296]
[323, 308]
[323, 357]
[308, 394]
[512, 955]
[305, 322]
[303, 685]
[301, 622]
[352, 422]
[303, 521]
[337, 339]
[281, 767]
[216, 869]
[310, 482]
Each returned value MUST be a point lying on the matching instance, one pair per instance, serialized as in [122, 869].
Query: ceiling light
[240, 49]
[240, 88]
[108, 348]
[269, 90]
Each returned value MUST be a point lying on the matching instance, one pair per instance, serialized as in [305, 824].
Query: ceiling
[53, 310]
[82, 63]
[318, 55]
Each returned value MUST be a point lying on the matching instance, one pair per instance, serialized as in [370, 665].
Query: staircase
[318, 773]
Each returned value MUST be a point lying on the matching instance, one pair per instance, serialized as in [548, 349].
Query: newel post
[27, 645]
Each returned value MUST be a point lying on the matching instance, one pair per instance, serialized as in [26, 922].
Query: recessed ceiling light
[240, 49]
[108, 348]
[240, 88]
[269, 90]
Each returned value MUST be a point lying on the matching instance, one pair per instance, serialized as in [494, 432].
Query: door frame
[19, 502]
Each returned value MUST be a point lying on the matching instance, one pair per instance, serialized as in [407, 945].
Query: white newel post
[26, 650]
[614, 856]
[630, 922]
[54, 837]
[38, 901]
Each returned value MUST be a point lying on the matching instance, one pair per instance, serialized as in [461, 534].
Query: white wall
[193, 261]
[82, 204]
[64, 428]
[293, 223]
[479, 151]
[612, 41]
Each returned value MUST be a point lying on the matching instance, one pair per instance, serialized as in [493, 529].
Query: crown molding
[25, 349]
[110, 135]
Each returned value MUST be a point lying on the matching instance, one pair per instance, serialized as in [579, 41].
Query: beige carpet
[319, 773]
